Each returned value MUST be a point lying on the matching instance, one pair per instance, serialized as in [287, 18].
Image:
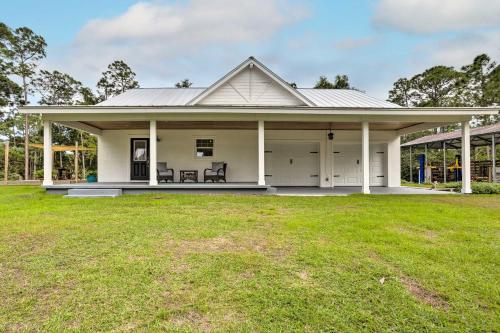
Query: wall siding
[251, 87]
[236, 147]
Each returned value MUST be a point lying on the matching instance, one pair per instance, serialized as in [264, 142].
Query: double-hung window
[204, 147]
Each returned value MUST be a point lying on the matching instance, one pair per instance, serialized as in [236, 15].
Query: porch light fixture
[331, 135]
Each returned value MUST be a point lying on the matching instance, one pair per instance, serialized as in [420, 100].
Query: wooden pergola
[76, 148]
[479, 137]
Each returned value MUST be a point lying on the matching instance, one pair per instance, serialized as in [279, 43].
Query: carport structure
[479, 137]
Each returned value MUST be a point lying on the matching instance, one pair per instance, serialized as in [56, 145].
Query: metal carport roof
[480, 136]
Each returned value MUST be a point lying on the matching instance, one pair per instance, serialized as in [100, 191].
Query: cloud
[428, 16]
[462, 49]
[353, 43]
[165, 41]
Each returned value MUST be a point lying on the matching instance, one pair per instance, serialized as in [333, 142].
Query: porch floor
[239, 188]
[144, 187]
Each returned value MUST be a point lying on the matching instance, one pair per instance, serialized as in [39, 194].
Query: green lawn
[249, 263]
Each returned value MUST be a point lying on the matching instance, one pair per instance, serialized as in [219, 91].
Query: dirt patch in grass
[413, 287]
[424, 295]
[224, 244]
[25, 244]
[427, 234]
[192, 319]
[303, 275]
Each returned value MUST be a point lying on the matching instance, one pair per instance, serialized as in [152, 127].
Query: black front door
[139, 159]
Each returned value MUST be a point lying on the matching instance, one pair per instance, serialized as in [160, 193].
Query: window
[140, 150]
[204, 147]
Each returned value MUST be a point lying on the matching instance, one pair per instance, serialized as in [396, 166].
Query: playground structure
[62, 173]
[451, 170]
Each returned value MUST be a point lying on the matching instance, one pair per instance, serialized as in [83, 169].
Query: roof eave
[260, 109]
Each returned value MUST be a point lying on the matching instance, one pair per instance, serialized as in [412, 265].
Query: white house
[268, 133]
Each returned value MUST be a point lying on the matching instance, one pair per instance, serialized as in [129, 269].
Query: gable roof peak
[252, 61]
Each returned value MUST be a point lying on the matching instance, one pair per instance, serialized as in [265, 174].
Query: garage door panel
[292, 164]
[347, 166]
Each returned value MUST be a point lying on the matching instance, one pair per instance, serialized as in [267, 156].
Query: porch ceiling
[271, 125]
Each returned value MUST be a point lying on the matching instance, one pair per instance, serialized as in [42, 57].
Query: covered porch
[245, 145]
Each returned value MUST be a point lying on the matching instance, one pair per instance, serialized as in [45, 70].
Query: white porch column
[365, 156]
[493, 158]
[445, 165]
[47, 153]
[260, 137]
[153, 180]
[466, 188]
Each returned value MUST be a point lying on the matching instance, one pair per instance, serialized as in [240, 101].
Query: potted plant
[92, 177]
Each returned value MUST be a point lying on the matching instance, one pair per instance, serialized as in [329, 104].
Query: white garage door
[347, 166]
[377, 166]
[292, 163]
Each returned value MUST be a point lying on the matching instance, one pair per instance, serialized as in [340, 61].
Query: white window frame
[195, 147]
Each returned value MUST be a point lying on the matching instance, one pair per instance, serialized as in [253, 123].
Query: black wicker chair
[163, 173]
[216, 173]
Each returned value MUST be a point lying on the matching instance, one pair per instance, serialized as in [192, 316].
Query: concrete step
[93, 193]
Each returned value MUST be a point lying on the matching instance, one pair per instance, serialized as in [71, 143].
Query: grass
[249, 263]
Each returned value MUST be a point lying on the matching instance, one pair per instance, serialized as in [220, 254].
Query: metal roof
[182, 96]
[343, 98]
[480, 136]
[153, 97]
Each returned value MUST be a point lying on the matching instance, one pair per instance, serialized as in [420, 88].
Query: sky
[374, 42]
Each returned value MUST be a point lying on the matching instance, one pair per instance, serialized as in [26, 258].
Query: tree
[117, 79]
[402, 92]
[492, 87]
[323, 83]
[492, 94]
[341, 82]
[57, 88]
[436, 86]
[88, 97]
[10, 92]
[20, 51]
[184, 84]
[476, 76]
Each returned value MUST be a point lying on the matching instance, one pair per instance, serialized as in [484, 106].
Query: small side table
[191, 175]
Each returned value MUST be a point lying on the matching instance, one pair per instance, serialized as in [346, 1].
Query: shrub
[92, 173]
[477, 188]
[485, 188]
[456, 186]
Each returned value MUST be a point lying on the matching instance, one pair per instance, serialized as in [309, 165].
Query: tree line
[21, 78]
[474, 84]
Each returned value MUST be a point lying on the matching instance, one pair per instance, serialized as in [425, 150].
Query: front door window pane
[140, 150]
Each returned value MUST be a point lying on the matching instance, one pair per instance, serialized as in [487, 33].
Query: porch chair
[163, 173]
[216, 173]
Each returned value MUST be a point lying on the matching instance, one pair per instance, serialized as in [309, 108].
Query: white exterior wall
[238, 148]
[394, 162]
[251, 87]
